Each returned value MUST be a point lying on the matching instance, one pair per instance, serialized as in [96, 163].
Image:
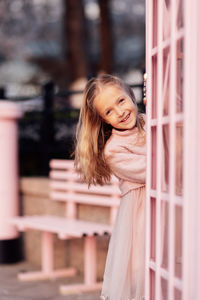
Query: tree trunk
[75, 39]
[106, 60]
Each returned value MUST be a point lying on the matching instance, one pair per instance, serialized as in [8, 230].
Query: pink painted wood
[9, 113]
[191, 224]
[47, 252]
[172, 64]
[61, 226]
[66, 185]
[90, 260]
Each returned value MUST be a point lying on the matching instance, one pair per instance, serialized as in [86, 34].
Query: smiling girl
[111, 140]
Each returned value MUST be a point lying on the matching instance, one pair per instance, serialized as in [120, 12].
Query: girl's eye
[121, 100]
[108, 112]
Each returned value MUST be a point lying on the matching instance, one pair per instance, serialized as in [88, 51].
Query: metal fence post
[2, 93]
[47, 127]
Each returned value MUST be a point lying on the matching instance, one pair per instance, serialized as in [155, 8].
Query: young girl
[111, 139]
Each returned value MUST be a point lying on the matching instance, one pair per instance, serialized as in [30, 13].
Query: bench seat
[64, 228]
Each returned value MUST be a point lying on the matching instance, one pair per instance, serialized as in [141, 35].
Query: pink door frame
[173, 144]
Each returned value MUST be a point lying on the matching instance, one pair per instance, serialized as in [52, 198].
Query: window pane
[153, 229]
[153, 156]
[178, 242]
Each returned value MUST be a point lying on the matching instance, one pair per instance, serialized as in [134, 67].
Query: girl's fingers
[144, 89]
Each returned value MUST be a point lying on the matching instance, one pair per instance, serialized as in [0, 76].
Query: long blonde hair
[92, 132]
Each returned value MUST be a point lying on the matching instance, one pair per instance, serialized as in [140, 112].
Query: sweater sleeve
[126, 165]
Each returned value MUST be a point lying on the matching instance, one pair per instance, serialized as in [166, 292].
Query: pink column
[9, 113]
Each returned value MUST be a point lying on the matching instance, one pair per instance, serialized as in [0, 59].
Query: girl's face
[116, 108]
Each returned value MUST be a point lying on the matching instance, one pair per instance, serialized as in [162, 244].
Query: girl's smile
[116, 108]
[126, 118]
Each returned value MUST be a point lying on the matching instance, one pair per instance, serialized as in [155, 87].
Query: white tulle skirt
[125, 263]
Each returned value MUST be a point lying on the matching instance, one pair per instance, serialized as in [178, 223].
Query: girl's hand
[144, 89]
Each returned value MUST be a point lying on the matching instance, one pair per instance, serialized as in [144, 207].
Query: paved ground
[12, 289]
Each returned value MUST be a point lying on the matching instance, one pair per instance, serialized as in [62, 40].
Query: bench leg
[90, 283]
[47, 252]
[90, 260]
[47, 271]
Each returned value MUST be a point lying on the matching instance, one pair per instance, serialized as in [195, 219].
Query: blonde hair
[92, 132]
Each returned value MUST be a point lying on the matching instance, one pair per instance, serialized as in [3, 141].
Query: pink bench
[65, 185]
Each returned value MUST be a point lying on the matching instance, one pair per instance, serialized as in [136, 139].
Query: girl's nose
[120, 112]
